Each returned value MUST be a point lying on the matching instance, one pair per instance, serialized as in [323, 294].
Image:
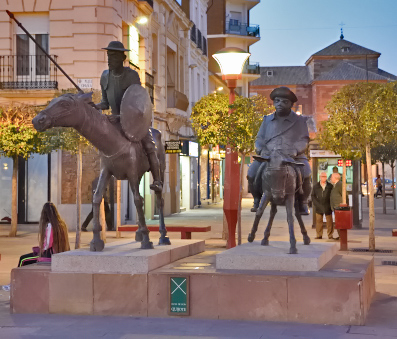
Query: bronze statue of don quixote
[128, 146]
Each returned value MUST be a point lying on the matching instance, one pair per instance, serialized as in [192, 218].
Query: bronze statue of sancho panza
[286, 131]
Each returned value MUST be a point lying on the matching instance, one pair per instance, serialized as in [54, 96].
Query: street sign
[173, 146]
[84, 83]
[179, 296]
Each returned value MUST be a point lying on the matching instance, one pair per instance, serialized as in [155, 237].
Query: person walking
[336, 194]
[378, 184]
[321, 200]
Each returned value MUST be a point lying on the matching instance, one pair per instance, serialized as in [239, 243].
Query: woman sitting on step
[53, 237]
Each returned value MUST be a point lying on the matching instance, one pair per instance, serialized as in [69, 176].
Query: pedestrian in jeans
[378, 183]
[321, 200]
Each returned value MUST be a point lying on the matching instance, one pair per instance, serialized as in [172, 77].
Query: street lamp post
[231, 61]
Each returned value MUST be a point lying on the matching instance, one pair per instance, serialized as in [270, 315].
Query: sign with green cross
[179, 296]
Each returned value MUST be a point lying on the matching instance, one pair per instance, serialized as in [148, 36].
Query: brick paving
[380, 323]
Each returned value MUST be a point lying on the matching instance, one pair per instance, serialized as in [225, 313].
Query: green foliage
[213, 124]
[243, 124]
[208, 116]
[359, 114]
[385, 153]
[18, 137]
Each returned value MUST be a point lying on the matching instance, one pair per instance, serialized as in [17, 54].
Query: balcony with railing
[149, 85]
[193, 34]
[27, 72]
[253, 68]
[204, 46]
[176, 99]
[199, 39]
[237, 27]
[149, 2]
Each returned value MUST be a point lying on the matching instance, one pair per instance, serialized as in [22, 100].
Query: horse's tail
[160, 150]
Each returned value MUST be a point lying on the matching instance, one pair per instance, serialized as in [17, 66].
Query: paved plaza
[381, 321]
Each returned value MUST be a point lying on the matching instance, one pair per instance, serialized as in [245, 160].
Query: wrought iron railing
[150, 2]
[204, 46]
[149, 85]
[193, 34]
[253, 68]
[133, 66]
[199, 39]
[236, 27]
[27, 72]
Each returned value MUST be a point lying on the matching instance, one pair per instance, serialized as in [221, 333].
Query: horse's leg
[164, 240]
[273, 211]
[138, 200]
[306, 239]
[97, 243]
[289, 206]
[258, 215]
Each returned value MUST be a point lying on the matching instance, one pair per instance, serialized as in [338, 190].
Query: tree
[213, 125]
[243, 126]
[386, 153]
[361, 116]
[20, 139]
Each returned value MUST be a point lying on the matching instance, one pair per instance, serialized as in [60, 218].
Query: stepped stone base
[275, 257]
[125, 257]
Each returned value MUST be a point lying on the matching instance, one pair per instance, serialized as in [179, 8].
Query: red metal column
[231, 183]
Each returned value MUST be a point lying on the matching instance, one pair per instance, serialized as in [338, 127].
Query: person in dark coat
[286, 131]
[114, 82]
[321, 195]
[108, 215]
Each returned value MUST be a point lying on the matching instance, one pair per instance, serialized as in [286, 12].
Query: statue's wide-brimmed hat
[116, 46]
[283, 92]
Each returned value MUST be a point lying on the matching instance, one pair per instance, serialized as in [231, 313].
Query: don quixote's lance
[11, 15]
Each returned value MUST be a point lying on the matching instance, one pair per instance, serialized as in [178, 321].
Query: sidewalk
[381, 321]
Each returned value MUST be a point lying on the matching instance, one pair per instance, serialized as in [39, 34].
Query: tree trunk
[344, 181]
[14, 198]
[118, 212]
[240, 198]
[78, 197]
[371, 200]
[393, 184]
[383, 188]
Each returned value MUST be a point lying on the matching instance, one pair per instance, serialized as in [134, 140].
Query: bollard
[343, 222]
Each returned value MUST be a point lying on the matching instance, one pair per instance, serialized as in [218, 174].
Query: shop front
[327, 161]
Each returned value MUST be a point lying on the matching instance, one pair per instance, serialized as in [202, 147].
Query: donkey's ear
[87, 97]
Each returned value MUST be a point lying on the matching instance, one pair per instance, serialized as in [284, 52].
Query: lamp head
[231, 60]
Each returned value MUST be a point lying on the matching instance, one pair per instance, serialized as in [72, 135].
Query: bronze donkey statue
[120, 157]
[278, 179]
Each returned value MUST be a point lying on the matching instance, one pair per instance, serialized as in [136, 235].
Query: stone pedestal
[124, 257]
[253, 256]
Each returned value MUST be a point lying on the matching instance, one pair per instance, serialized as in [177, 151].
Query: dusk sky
[292, 30]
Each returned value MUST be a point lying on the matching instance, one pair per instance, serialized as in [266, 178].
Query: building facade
[74, 33]
[228, 26]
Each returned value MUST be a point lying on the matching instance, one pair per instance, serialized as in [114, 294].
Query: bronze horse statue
[120, 157]
[280, 186]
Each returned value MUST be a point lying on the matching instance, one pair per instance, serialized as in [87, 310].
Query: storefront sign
[173, 146]
[316, 153]
[179, 296]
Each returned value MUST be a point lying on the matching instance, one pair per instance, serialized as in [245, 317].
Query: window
[269, 73]
[31, 60]
[133, 45]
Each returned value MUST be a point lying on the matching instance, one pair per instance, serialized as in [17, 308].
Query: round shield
[135, 112]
